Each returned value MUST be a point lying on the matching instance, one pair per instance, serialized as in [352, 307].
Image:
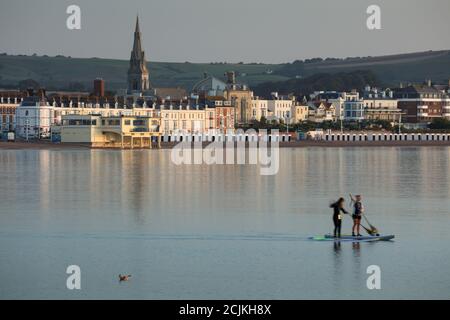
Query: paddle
[373, 230]
[369, 231]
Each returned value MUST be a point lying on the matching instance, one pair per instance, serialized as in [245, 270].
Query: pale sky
[270, 31]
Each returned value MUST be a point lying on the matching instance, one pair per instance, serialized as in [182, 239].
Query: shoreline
[45, 145]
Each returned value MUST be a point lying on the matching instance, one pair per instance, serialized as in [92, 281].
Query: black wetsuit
[337, 218]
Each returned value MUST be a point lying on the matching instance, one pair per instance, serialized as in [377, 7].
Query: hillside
[392, 69]
[62, 71]
[65, 72]
[341, 81]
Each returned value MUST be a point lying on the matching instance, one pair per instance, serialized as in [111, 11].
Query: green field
[60, 72]
[412, 67]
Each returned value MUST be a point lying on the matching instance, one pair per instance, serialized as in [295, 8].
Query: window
[139, 122]
[127, 122]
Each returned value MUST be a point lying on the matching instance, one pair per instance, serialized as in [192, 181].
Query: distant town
[144, 116]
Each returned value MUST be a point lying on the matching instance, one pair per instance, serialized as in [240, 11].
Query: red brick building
[225, 113]
[421, 103]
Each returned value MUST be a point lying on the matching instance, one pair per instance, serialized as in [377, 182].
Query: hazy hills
[64, 72]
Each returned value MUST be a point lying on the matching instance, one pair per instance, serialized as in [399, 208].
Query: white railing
[181, 137]
[387, 137]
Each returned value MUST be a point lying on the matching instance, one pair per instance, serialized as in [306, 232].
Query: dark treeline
[342, 81]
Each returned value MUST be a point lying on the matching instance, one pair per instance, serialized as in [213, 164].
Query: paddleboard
[329, 237]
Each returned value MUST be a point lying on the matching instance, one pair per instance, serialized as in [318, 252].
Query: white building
[281, 107]
[353, 106]
[381, 109]
[337, 99]
[260, 108]
[8, 106]
[321, 111]
[446, 108]
[34, 118]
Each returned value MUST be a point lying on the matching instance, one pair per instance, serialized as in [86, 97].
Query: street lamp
[27, 123]
[287, 122]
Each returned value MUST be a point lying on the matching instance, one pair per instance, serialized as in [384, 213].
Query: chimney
[99, 87]
[41, 93]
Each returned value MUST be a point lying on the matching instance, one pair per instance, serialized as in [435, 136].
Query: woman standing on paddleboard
[357, 214]
[338, 209]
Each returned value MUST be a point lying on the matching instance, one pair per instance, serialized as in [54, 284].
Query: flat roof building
[111, 131]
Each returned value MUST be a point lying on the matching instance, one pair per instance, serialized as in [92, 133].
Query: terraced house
[9, 101]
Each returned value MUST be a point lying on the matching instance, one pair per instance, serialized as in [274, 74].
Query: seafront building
[337, 99]
[353, 107]
[321, 111]
[186, 118]
[213, 106]
[9, 100]
[423, 103]
[111, 131]
[34, 117]
[381, 105]
[259, 109]
[280, 107]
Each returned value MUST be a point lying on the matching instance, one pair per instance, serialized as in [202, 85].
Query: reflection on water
[222, 231]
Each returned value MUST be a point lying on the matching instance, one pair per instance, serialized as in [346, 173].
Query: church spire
[137, 46]
[137, 30]
[138, 78]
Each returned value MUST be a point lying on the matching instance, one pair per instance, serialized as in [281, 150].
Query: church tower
[138, 73]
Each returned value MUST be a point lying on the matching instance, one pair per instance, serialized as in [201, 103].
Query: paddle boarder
[338, 209]
[358, 210]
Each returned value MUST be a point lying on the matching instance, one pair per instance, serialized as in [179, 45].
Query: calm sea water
[221, 232]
